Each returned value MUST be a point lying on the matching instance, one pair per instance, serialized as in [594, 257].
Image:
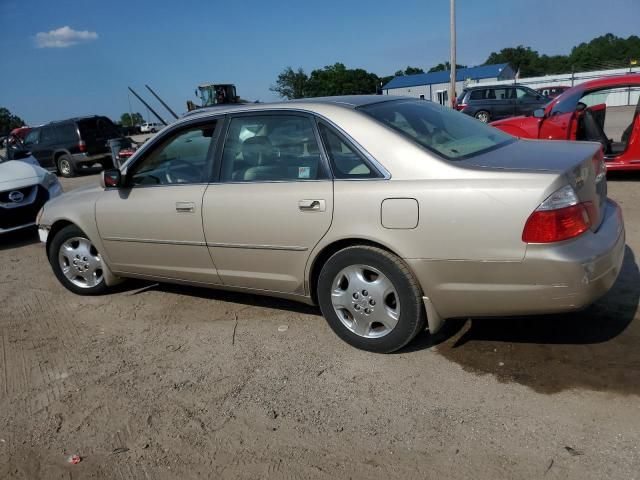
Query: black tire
[59, 239]
[65, 165]
[412, 316]
[483, 116]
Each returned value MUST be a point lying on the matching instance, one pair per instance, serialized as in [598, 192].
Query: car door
[46, 146]
[153, 225]
[272, 204]
[32, 143]
[500, 102]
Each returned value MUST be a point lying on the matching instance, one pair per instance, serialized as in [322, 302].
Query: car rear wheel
[370, 299]
[76, 262]
[483, 116]
[65, 166]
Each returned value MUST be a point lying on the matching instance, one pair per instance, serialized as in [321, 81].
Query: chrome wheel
[483, 117]
[365, 301]
[65, 167]
[80, 262]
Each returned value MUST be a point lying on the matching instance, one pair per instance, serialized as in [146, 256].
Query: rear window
[446, 132]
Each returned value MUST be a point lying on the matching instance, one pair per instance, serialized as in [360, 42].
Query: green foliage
[409, 71]
[331, 80]
[607, 51]
[127, 120]
[443, 67]
[9, 121]
[291, 84]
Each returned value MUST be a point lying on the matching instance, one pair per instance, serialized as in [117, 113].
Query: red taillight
[547, 226]
[461, 106]
[82, 146]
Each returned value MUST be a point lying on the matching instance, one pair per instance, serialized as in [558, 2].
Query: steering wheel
[181, 171]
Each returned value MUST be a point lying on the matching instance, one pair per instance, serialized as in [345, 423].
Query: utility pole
[452, 85]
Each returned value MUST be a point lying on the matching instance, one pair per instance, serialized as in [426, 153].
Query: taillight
[461, 106]
[82, 146]
[559, 217]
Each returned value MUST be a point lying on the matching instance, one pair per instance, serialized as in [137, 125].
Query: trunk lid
[580, 163]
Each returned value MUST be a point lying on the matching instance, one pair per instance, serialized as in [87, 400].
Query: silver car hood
[17, 174]
[535, 155]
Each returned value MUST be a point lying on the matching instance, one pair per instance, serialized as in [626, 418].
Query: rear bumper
[552, 278]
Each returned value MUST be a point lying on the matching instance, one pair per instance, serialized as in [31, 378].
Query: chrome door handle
[312, 205]
[185, 207]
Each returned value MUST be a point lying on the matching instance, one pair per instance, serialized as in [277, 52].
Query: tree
[291, 84]
[409, 71]
[9, 121]
[127, 120]
[521, 58]
[337, 79]
[444, 67]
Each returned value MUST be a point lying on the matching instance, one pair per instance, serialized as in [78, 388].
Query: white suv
[150, 127]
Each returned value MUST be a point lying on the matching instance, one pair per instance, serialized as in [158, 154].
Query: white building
[435, 86]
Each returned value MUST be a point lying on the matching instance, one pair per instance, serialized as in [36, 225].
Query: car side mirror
[538, 113]
[111, 178]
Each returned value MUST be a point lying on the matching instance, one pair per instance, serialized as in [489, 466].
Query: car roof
[73, 119]
[478, 87]
[346, 101]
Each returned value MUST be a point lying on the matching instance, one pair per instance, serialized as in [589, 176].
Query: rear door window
[480, 94]
[345, 160]
[67, 133]
[48, 136]
[265, 148]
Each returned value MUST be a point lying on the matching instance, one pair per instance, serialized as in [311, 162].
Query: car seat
[593, 131]
[259, 154]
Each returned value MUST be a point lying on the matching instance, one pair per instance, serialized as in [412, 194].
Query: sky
[64, 58]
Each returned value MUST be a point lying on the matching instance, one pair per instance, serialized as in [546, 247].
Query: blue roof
[475, 73]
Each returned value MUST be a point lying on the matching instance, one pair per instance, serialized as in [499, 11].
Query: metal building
[434, 86]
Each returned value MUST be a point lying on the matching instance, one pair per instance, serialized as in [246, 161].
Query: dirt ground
[158, 381]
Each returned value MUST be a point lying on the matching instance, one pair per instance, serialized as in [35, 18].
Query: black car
[488, 103]
[68, 145]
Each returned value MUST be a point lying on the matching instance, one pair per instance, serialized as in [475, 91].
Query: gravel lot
[159, 381]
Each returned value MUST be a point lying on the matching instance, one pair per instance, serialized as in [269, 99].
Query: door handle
[185, 207]
[312, 205]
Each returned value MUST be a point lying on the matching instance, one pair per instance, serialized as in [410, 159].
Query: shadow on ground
[597, 349]
[19, 238]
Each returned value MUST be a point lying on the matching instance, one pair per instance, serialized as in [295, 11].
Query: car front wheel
[370, 299]
[76, 262]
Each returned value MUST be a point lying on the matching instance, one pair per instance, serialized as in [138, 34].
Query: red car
[580, 113]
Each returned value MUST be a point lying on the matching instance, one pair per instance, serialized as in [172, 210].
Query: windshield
[450, 134]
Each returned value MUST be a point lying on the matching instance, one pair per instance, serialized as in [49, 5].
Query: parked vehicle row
[389, 213]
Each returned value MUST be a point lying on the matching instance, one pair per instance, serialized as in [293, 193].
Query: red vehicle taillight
[461, 106]
[82, 146]
[559, 217]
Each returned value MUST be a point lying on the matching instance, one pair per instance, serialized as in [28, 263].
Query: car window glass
[179, 158]
[67, 133]
[32, 137]
[271, 148]
[48, 135]
[346, 161]
[500, 93]
[441, 130]
[478, 94]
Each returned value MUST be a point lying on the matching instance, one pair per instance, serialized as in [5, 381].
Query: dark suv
[67, 145]
[488, 103]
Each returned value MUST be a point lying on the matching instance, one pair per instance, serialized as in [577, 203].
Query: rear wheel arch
[326, 253]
